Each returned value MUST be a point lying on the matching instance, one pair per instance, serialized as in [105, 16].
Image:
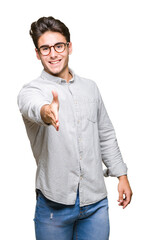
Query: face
[55, 63]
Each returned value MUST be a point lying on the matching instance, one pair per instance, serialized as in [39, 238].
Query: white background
[111, 45]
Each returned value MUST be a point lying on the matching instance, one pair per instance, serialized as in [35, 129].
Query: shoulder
[32, 84]
[30, 88]
[86, 80]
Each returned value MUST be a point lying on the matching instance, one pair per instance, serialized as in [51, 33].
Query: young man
[71, 135]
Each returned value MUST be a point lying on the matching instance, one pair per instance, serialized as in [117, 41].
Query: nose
[53, 53]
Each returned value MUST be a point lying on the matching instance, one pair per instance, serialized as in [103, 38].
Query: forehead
[50, 38]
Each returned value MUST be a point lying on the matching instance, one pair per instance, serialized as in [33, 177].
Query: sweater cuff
[116, 171]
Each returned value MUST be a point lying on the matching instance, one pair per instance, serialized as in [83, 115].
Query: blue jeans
[54, 221]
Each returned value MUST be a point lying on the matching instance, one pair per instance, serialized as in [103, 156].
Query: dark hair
[45, 24]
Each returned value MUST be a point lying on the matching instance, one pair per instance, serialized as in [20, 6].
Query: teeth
[55, 62]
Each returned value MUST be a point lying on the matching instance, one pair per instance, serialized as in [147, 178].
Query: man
[71, 135]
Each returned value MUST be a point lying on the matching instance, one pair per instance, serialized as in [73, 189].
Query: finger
[55, 104]
[127, 200]
[55, 124]
[54, 117]
[53, 111]
[55, 114]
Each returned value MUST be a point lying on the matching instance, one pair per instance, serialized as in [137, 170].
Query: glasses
[58, 47]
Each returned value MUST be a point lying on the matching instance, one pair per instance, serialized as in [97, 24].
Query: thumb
[120, 196]
[56, 104]
[55, 96]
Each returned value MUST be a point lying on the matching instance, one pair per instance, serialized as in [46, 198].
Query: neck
[64, 75]
[69, 77]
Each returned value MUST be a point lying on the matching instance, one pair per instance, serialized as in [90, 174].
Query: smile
[55, 62]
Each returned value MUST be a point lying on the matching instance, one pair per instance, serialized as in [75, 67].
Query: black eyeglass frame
[65, 44]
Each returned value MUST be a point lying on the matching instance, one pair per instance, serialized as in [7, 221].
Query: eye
[59, 45]
[44, 48]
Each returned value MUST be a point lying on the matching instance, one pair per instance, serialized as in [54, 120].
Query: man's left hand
[125, 192]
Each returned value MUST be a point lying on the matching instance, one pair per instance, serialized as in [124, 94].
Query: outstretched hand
[49, 112]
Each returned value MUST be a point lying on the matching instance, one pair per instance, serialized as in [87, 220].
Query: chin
[55, 73]
[52, 72]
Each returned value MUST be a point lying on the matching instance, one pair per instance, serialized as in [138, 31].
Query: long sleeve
[30, 100]
[111, 155]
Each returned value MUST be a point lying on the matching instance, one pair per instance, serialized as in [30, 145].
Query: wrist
[123, 177]
[44, 114]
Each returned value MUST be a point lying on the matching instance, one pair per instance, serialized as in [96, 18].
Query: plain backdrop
[111, 45]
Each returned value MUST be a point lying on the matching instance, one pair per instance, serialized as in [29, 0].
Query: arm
[111, 155]
[35, 107]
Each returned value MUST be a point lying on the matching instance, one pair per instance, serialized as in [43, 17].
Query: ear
[37, 54]
[70, 48]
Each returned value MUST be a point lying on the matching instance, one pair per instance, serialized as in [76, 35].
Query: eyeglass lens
[59, 47]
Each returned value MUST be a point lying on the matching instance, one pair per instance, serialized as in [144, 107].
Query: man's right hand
[49, 112]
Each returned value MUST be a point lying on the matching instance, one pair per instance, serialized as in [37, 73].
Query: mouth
[55, 62]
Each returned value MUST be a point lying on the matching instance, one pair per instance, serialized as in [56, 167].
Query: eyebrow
[44, 46]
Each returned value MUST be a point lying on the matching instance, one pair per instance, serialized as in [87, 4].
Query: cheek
[44, 61]
[66, 57]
